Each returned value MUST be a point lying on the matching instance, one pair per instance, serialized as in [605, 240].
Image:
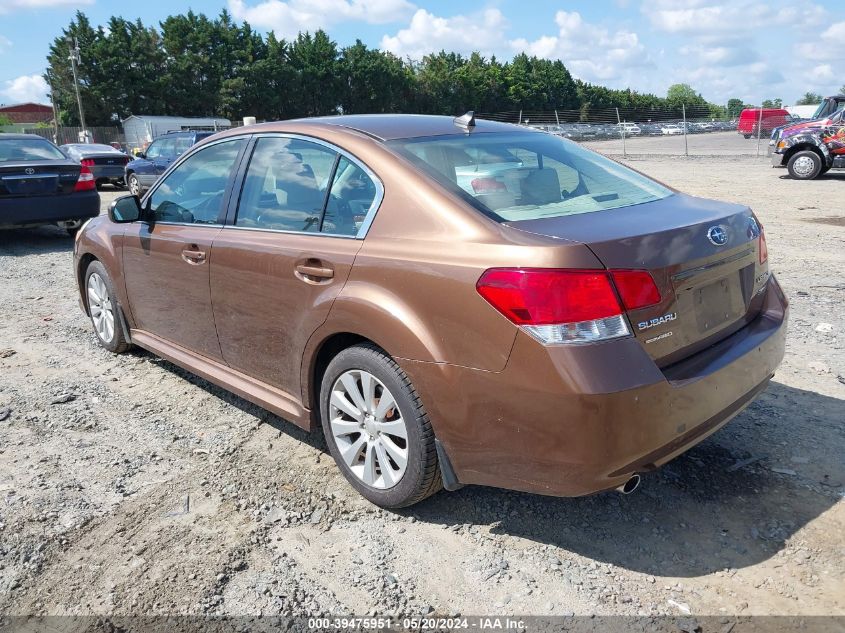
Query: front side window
[183, 144]
[526, 176]
[25, 149]
[193, 192]
[166, 148]
[154, 150]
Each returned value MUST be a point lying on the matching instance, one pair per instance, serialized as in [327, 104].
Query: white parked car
[631, 129]
[671, 128]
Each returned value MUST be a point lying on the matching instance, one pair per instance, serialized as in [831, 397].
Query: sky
[748, 49]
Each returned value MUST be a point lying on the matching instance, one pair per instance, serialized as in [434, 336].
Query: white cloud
[427, 33]
[25, 88]
[290, 17]
[835, 33]
[7, 6]
[823, 73]
[736, 16]
[591, 52]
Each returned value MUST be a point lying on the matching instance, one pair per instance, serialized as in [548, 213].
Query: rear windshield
[528, 175]
[25, 149]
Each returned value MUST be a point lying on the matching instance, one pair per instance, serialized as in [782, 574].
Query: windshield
[26, 149]
[525, 176]
[827, 107]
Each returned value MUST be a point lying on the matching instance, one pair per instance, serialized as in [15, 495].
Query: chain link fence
[68, 134]
[682, 131]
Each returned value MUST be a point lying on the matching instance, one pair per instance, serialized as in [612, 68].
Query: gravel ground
[128, 486]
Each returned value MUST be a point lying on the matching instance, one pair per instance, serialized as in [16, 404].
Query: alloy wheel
[100, 305]
[134, 185]
[368, 429]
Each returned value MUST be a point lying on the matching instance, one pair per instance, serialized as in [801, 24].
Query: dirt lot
[129, 486]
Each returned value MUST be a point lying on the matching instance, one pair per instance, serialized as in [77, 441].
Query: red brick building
[27, 112]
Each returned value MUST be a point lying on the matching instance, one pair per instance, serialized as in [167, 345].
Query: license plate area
[718, 303]
[15, 185]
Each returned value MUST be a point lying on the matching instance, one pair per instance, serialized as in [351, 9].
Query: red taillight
[87, 162]
[529, 296]
[487, 185]
[636, 287]
[763, 249]
[85, 181]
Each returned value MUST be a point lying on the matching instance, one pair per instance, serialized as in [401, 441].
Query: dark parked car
[40, 185]
[453, 301]
[105, 162]
[141, 173]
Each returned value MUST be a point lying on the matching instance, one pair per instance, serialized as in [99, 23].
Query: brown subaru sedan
[453, 301]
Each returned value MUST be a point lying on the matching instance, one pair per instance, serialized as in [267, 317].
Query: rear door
[166, 259]
[287, 253]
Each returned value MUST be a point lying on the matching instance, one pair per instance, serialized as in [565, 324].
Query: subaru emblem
[29, 171]
[717, 235]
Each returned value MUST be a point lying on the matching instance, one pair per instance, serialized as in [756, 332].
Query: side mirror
[125, 209]
[140, 154]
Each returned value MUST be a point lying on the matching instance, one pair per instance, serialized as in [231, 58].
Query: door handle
[193, 256]
[313, 272]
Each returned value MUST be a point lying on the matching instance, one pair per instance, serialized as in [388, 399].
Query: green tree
[684, 94]
[316, 81]
[809, 98]
[5, 120]
[735, 107]
[773, 103]
[372, 80]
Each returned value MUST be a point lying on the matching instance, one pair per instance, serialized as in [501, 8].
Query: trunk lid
[708, 289]
[107, 159]
[38, 178]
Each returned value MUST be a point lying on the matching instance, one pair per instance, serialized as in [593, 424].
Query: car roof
[22, 136]
[386, 127]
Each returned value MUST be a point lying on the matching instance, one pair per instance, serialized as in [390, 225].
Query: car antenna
[467, 121]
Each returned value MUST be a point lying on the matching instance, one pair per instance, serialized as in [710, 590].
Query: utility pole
[74, 60]
[55, 114]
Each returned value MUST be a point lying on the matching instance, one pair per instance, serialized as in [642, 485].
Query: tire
[99, 295]
[134, 184]
[747, 136]
[804, 165]
[73, 232]
[359, 453]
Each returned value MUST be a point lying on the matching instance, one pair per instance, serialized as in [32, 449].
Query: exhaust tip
[630, 486]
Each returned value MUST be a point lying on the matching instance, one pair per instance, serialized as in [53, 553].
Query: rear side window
[25, 149]
[296, 185]
[285, 185]
[528, 175]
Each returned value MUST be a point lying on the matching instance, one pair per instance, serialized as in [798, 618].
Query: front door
[277, 271]
[166, 259]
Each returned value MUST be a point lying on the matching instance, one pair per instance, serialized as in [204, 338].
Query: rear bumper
[37, 210]
[570, 421]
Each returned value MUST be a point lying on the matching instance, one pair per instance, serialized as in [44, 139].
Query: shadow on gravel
[718, 506]
[702, 512]
[44, 239]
